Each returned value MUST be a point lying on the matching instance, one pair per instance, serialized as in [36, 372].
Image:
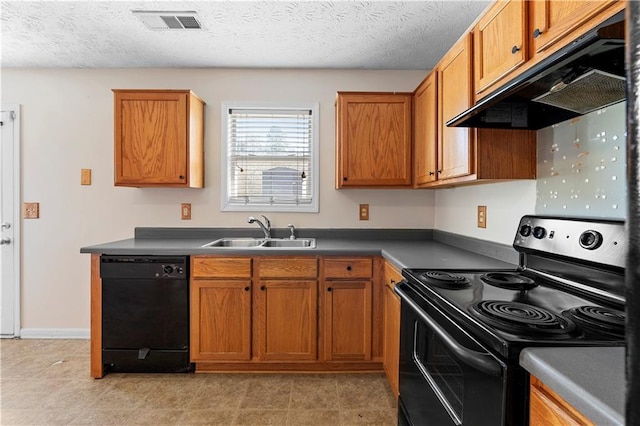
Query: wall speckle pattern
[582, 166]
[238, 34]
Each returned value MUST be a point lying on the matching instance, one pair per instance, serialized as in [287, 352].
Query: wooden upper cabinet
[425, 130]
[373, 139]
[500, 43]
[455, 96]
[551, 20]
[159, 138]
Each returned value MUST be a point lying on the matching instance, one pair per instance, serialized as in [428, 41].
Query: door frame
[17, 216]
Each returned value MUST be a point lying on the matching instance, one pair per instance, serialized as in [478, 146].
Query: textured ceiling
[239, 34]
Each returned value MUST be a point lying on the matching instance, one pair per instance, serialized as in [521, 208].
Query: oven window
[439, 369]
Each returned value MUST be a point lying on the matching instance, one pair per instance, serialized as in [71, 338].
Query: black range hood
[584, 76]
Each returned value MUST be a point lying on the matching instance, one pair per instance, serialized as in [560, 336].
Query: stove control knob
[539, 232]
[525, 230]
[168, 269]
[590, 240]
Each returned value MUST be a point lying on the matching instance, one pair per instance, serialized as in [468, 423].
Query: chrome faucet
[266, 226]
[293, 231]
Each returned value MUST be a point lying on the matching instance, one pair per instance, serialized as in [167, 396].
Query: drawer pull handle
[329, 289]
[247, 288]
[349, 268]
[536, 33]
[262, 288]
[515, 49]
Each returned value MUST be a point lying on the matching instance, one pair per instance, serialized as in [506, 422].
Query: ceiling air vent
[169, 20]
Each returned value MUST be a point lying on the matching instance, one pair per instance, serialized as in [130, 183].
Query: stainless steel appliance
[145, 313]
[462, 331]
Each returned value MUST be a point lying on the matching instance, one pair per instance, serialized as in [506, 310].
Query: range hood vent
[169, 20]
[586, 75]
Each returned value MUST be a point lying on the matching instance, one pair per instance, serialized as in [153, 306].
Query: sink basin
[287, 243]
[270, 243]
[235, 242]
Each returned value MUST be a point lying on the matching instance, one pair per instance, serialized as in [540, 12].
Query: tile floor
[46, 382]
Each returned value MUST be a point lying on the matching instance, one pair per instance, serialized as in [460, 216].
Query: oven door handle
[481, 361]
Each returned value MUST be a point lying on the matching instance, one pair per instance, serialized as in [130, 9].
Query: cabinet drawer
[221, 267]
[287, 267]
[348, 268]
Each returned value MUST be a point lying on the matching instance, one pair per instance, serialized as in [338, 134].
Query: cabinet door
[454, 143]
[391, 326]
[347, 320]
[151, 138]
[546, 408]
[550, 20]
[220, 320]
[287, 320]
[425, 130]
[373, 139]
[499, 42]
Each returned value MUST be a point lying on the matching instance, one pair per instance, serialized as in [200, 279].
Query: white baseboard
[54, 333]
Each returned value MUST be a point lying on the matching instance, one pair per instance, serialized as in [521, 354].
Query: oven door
[446, 376]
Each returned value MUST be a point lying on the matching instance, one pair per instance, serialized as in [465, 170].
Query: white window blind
[270, 158]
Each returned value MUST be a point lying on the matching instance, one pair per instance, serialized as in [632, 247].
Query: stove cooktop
[509, 310]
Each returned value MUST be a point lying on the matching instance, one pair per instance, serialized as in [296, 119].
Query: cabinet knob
[349, 268]
[247, 288]
[329, 289]
[536, 33]
[439, 171]
[393, 281]
[432, 173]
[344, 178]
[515, 49]
[181, 177]
[262, 287]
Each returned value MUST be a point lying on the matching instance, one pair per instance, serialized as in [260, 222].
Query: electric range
[462, 330]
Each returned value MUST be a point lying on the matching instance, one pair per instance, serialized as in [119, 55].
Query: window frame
[225, 204]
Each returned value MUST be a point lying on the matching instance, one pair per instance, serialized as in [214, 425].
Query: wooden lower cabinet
[546, 408]
[347, 320]
[221, 320]
[391, 327]
[287, 312]
[276, 313]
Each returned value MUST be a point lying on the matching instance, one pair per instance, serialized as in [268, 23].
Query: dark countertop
[590, 379]
[402, 252]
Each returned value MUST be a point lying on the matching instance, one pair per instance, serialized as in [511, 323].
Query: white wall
[506, 203]
[67, 125]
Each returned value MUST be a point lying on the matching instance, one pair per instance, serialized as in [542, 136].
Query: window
[269, 157]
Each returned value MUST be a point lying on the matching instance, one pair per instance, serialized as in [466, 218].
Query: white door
[10, 221]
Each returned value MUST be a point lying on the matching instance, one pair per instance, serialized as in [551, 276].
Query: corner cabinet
[373, 140]
[159, 138]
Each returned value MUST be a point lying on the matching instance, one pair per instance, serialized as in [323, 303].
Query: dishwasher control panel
[158, 267]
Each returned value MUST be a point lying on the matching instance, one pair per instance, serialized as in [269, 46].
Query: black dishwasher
[145, 313]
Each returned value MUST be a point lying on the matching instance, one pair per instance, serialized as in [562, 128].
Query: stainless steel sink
[259, 243]
[287, 243]
[235, 242]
